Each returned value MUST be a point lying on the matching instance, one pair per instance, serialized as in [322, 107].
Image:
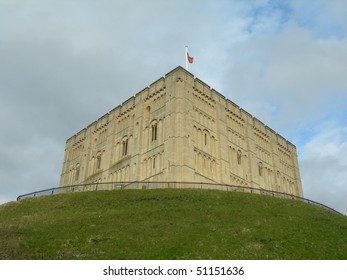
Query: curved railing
[144, 185]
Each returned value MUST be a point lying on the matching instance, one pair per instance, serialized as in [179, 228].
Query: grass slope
[169, 224]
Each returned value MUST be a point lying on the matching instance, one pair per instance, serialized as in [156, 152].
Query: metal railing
[146, 185]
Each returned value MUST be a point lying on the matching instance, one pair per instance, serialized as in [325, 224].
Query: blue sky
[66, 63]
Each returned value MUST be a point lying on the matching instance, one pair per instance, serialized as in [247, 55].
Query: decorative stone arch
[239, 157]
[116, 151]
[144, 168]
[260, 169]
[160, 130]
[95, 142]
[213, 145]
[147, 113]
[98, 160]
[199, 137]
[77, 172]
[206, 137]
[213, 167]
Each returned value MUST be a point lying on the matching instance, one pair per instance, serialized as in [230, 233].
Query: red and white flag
[190, 58]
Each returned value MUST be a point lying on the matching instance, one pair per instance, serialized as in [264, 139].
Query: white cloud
[324, 166]
[289, 78]
[324, 18]
[66, 63]
[294, 79]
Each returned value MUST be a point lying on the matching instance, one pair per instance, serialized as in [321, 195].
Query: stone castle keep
[180, 130]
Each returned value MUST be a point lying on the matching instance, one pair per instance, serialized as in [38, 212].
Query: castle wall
[179, 129]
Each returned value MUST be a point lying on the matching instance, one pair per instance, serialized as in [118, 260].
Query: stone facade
[180, 130]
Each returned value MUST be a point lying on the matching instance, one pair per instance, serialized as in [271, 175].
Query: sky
[64, 64]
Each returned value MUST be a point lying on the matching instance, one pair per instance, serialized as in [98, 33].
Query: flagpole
[186, 57]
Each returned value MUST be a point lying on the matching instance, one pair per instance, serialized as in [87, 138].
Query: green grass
[169, 224]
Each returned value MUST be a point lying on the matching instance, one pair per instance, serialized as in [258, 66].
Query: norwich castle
[179, 129]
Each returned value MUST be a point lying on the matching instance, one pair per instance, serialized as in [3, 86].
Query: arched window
[98, 160]
[125, 147]
[205, 137]
[154, 132]
[95, 141]
[239, 157]
[147, 112]
[77, 174]
[260, 168]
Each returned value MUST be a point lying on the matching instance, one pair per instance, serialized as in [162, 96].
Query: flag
[190, 58]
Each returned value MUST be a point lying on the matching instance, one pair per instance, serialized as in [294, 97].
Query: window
[77, 174]
[154, 132]
[260, 167]
[95, 142]
[205, 137]
[125, 147]
[147, 112]
[98, 160]
[239, 156]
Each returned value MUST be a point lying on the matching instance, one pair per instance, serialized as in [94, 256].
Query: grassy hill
[169, 224]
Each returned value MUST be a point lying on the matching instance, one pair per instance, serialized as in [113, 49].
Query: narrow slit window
[77, 174]
[125, 147]
[260, 169]
[154, 132]
[98, 161]
[239, 157]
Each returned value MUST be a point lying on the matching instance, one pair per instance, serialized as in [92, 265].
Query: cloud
[66, 63]
[324, 166]
[290, 77]
[325, 19]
